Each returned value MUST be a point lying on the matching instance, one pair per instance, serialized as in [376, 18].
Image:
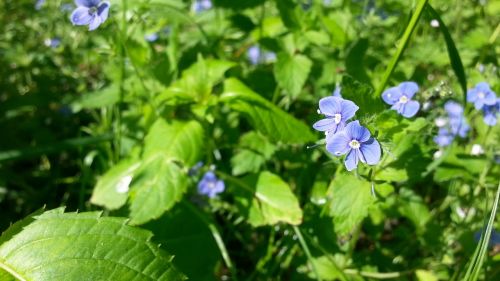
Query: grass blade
[456, 61]
[402, 45]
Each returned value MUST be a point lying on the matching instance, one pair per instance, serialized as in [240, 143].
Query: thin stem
[377, 275]
[402, 45]
[303, 243]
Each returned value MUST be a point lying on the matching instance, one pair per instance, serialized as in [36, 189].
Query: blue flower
[90, 12]
[256, 55]
[39, 4]
[491, 113]
[337, 111]
[400, 98]
[481, 95]
[444, 137]
[355, 141]
[53, 42]
[152, 37]
[210, 185]
[454, 124]
[202, 5]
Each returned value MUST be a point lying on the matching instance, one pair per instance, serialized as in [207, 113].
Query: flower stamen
[337, 118]
[354, 144]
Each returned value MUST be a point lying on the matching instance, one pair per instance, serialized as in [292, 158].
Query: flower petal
[410, 109]
[371, 151]
[81, 16]
[408, 89]
[391, 95]
[348, 109]
[330, 105]
[354, 131]
[454, 109]
[490, 119]
[490, 98]
[327, 124]
[351, 161]
[95, 23]
[338, 144]
[103, 10]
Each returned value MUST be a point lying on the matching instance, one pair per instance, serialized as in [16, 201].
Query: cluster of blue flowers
[344, 138]
[455, 124]
[452, 125]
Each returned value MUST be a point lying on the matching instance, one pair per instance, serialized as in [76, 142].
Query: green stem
[217, 237]
[377, 275]
[303, 243]
[402, 45]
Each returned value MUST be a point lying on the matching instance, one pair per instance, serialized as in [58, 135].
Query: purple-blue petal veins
[210, 185]
[337, 111]
[400, 97]
[481, 95]
[355, 141]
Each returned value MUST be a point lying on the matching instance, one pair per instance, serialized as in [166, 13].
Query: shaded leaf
[291, 72]
[85, 246]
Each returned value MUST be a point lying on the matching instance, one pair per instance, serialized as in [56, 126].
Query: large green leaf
[265, 116]
[70, 246]
[291, 72]
[269, 201]
[254, 150]
[182, 141]
[157, 186]
[350, 199]
[111, 189]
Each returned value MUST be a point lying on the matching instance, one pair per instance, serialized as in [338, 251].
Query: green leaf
[413, 207]
[182, 141]
[269, 201]
[362, 95]
[265, 116]
[254, 150]
[291, 72]
[100, 98]
[197, 81]
[111, 188]
[456, 61]
[156, 187]
[85, 246]
[289, 13]
[350, 200]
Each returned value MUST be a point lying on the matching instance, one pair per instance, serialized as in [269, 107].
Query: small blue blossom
[481, 95]
[201, 5]
[444, 137]
[355, 141]
[400, 98]
[210, 185]
[194, 170]
[152, 37]
[491, 113]
[453, 125]
[39, 4]
[256, 55]
[337, 111]
[53, 42]
[90, 12]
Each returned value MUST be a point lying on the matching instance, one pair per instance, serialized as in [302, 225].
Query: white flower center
[354, 144]
[337, 117]
[403, 99]
[481, 95]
